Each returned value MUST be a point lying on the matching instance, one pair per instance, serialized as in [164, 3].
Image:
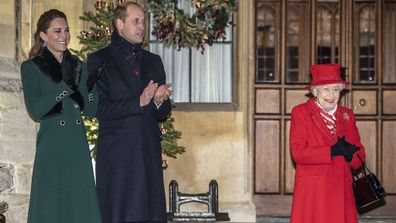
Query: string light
[100, 4]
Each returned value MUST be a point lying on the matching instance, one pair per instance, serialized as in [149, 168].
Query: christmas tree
[3, 207]
[99, 36]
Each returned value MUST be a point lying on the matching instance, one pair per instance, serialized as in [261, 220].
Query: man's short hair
[120, 12]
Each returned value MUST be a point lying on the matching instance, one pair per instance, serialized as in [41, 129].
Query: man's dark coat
[129, 173]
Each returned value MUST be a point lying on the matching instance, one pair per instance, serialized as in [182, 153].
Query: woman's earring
[44, 44]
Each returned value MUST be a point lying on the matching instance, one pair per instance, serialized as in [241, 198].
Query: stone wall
[17, 130]
[17, 140]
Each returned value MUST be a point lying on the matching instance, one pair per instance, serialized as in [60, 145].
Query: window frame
[233, 105]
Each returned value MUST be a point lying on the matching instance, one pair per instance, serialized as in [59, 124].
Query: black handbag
[368, 190]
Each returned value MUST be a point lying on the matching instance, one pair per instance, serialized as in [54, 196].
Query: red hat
[323, 74]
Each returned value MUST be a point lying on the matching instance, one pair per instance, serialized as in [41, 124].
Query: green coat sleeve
[40, 93]
[90, 98]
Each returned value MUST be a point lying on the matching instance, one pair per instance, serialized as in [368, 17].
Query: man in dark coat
[133, 97]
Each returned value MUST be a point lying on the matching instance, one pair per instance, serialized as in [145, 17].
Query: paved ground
[362, 220]
[287, 220]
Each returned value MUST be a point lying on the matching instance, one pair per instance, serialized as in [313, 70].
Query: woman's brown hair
[43, 24]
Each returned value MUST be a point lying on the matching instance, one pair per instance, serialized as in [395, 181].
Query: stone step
[265, 219]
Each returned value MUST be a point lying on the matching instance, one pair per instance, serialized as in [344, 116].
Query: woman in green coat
[56, 95]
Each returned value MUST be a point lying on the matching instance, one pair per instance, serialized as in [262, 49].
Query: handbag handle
[364, 165]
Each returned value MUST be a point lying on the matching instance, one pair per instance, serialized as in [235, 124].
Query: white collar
[331, 112]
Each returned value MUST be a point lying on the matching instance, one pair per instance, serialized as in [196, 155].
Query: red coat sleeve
[352, 136]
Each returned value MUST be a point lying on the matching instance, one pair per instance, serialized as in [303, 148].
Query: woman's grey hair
[314, 89]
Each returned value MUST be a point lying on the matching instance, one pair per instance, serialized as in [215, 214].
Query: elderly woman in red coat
[325, 145]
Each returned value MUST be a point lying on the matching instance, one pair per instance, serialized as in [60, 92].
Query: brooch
[345, 116]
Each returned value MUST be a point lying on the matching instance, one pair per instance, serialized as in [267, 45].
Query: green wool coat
[63, 187]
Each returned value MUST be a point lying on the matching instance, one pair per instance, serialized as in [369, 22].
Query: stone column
[7, 28]
[17, 131]
[17, 143]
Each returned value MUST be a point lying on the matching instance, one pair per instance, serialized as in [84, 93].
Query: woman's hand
[343, 148]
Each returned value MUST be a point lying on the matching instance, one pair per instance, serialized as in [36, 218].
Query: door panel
[364, 102]
[271, 99]
[389, 102]
[267, 157]
[290, 166]
[293, 98]
[389, 157]
[368, 137]
[389, 40]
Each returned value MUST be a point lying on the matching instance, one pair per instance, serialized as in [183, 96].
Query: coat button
[62, 123]
[75, 105]
[57, 98]
[64, 93]
[78, 121]
[90, 98]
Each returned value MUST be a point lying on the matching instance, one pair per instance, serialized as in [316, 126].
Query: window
[297, 42]
[266, 42]
[365, 52]
[197, 77]
[327, 32]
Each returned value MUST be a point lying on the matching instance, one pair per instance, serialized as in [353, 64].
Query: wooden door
[290, 36]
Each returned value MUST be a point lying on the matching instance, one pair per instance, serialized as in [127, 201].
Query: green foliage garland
[3, 207]
[206, 25]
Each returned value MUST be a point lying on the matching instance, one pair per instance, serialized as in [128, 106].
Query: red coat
[323, 186]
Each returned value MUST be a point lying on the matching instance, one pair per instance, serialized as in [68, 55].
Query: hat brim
[346, 83]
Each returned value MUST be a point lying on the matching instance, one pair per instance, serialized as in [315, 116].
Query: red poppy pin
[345, 116]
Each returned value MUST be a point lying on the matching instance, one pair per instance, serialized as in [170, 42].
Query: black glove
[349, 151]
[343, 148]
[338, 148]
[93, 77]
